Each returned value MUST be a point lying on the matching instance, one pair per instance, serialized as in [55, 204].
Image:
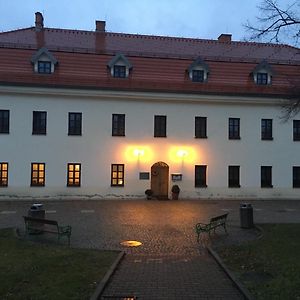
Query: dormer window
[43, 62]
[44, 67]
[119, 66]
[262, 74]
[198, 71]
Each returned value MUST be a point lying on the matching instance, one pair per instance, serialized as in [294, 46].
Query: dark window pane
[4, 121]
[198, 75]
[296, 130]
[160, 126]
[234, 128]
[44, 67]
[266, 129]
[120, 71]
[296, 177]
[262, 78]
[266, 176]
[233, 176]
[75, 123]
[118, 125]
[200, 127]
[200, 176]
[39, 122]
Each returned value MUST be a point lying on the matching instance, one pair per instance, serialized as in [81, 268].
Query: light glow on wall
[180, 154]
[134, 153]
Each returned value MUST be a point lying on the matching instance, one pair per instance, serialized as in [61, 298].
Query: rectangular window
[262, 78]
[266, 129]
[266, 176]
[120, 71]
[296, 177]
[74, 174]
[4, 121]
[198, 75]
[117, 175]
[296, 130]
[37, 174]
[200, 176]
[75, 123]
[3, 174]
[233, 176]
[200, 127]
[44, 67]
[234, 129]
[39, 122]
[160, 126]
[118, 125]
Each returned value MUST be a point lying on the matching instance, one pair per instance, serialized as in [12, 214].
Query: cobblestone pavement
[170, 264]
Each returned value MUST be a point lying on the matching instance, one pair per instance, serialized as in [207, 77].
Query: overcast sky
[183, 18]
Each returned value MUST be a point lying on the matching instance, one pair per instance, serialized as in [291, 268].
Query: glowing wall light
[179, 154]
[182, 153]
[138, 152]
[134, 153]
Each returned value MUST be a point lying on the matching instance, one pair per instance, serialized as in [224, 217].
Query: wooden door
[160, 180]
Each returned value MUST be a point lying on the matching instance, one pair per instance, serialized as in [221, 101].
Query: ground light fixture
[131, 243]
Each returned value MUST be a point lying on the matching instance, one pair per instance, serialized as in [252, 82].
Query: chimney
[39, 21]
[100, 26]
[225, 38]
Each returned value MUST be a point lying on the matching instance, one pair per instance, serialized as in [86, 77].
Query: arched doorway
[160, 180]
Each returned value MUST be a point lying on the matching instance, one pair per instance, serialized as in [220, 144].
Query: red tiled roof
[143, 45]
[159, 63]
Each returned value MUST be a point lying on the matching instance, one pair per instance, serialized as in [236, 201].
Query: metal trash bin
[246, 215]
[37, 211]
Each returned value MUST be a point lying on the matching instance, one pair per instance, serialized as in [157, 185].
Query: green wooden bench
[212, 225]
[36, 225]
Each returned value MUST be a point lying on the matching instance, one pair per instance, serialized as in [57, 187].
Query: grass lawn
[269, 267]
[30, 271]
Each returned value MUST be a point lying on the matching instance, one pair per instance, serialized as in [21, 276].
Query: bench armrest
[201, 226]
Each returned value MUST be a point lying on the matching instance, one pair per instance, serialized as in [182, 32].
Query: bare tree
[276, 23]
[292, 106]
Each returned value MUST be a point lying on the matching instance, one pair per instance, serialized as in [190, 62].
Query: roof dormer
[262, 73]
[119, 66]
[198, 70]
[43, 61]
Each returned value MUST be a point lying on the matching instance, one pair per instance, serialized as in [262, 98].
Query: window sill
[39, 133]
[234, 186]
[160, 136]
[234, 138]
[37, 185]
[267, 139]
[75, 186]
[118, 186]
[201, 186]
[200, 137]
[73, 134]
[267, 187]
[118, 135]
[296, 139]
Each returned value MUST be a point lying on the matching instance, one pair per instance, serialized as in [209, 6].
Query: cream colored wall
[96, 149]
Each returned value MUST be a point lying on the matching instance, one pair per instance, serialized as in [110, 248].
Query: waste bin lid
[36, 206]
[245, 205]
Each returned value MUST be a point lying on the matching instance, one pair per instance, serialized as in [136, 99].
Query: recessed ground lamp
[131, 243]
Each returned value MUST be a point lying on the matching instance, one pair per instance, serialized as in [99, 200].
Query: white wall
[96, 149]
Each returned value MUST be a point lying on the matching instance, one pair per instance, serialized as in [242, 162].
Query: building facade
[99, 115]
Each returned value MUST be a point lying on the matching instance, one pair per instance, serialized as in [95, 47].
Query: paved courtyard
[170, 264]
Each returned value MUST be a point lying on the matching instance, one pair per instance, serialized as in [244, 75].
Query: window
[75, 123]
[200, 176]
[266, 176]
[200, 127]
[39, 122]
[234, 129]
[262, 78]
[4, 121]
[3, 174]
[266, 129]
[74, 174]
[198, 75]
[296, 130]
[37, 174]
[234, 176]
[296, 177]
[160, 126]
[117, 175]
[118, 125]
[44, 67]
[119, 71]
